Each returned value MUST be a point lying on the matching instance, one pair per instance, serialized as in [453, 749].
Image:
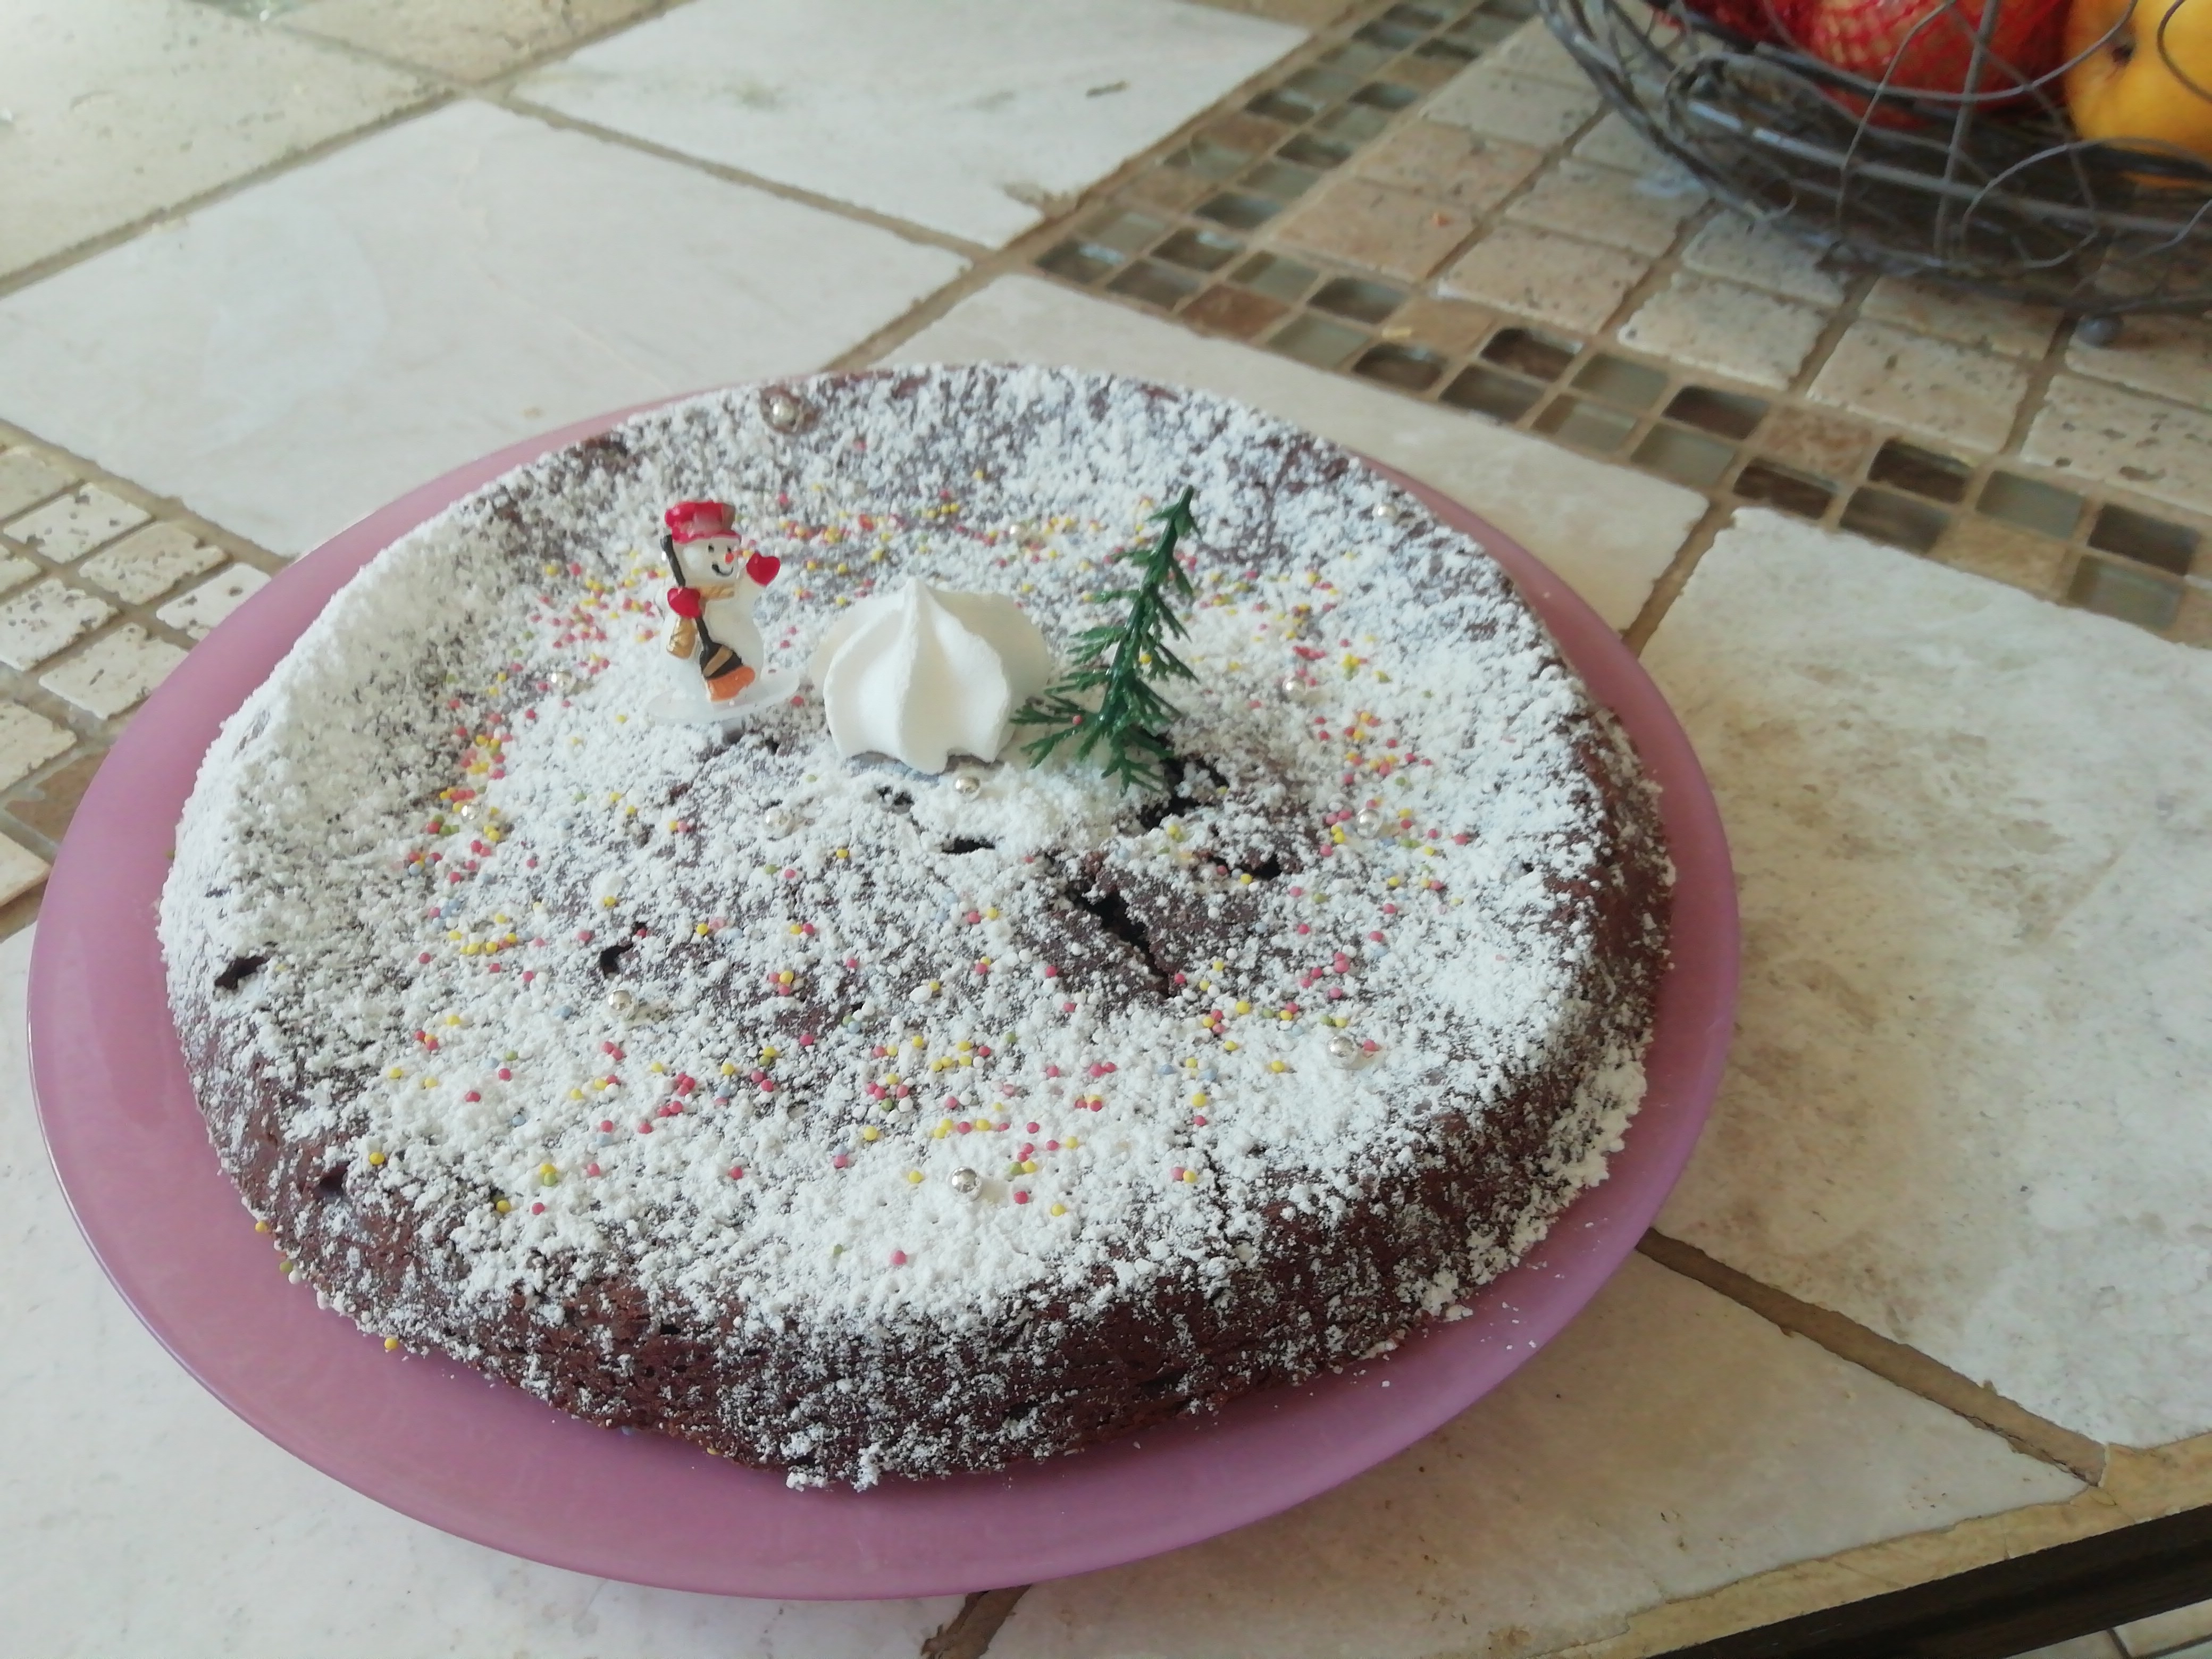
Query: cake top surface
[756, 1023]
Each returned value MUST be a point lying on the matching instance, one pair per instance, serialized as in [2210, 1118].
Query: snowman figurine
[717, 650]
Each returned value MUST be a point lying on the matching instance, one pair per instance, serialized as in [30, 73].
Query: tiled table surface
[263, 265]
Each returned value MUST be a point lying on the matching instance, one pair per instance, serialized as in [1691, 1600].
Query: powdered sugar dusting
[577, 995]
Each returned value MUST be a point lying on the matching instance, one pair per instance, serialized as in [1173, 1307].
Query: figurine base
[672, 709]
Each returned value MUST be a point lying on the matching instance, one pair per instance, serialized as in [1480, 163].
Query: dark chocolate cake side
[857, 1121]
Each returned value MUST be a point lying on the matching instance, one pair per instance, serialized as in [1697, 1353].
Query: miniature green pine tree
[1119, 662]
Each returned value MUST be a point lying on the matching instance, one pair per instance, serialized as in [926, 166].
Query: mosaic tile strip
[1428, 199]
[103, 588]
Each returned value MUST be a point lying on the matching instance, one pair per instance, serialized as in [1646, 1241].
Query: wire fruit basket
[1941, 139]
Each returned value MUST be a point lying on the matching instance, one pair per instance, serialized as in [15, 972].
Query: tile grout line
[969, 1633]
[90, 732]
[502, 90]
[169, 509]
[529, 63]
[1676, 576]
[1016, 258]
[441, 92]
[906, 230]
[92, 247]
[1909, 1369]
[2040, 374]
[986, 264]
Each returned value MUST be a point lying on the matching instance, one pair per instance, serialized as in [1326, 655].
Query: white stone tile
[1726, 328]
[15, 570]
[148, 564]
[27, 478]
[1602, 205]
[1306, 14]
[1534, 52]
[197, 611]
[2003, 326]
[35, 624]
[1614, 143]
[1745, 250]
[1608, 531]
[1927, 386]
[1435, 159]
[2143, 444]
[467, 39]
[2171, 356]
[968, 116]
[1509, 105]
[2163, 1633]
[121, 108]
[20, 870]
[2098, 1644]
[84, 519]
[28, 741]
[1364, 223]
[114, 673]
[302, 352]
[1966, 1104]
[1666, 1443]
[136, 1504]
[1554, 279]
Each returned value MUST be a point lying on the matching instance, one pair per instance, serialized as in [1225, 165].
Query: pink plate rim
[435, 1441]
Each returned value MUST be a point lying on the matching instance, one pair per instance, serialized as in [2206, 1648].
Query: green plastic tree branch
[1119, 664]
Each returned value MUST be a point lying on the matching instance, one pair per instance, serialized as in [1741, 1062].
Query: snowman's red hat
[691, 521]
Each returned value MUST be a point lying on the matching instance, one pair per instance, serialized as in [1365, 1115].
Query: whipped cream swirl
[921, 674]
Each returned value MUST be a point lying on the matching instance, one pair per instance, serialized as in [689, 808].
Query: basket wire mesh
[1942, 158]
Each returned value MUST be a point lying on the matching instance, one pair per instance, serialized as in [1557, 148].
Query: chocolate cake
[857, 1121]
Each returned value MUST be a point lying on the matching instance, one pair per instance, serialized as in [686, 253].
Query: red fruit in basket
[1755, 20]
[1928, 46]
[2144, 74]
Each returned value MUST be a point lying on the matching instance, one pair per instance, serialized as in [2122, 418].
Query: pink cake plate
[437, 1442]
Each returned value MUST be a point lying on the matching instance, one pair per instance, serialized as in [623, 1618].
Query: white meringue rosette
[921, 674]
